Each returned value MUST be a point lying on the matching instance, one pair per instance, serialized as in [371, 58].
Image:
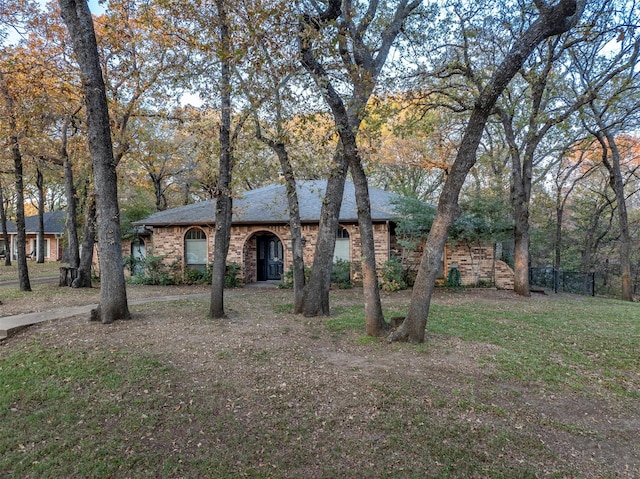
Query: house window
[195, 249]
[342, 249]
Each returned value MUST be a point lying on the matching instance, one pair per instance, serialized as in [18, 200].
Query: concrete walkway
[12, 324]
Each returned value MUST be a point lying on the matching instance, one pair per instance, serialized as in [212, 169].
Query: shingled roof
[268, 205]
[53, 223]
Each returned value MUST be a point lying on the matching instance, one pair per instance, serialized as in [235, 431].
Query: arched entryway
[270, 258]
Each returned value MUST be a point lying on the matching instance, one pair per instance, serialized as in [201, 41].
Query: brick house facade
[261, 238]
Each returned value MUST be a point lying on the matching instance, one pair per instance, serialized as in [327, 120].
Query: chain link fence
[567, 281]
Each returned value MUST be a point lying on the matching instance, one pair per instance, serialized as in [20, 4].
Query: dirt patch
[277, 365]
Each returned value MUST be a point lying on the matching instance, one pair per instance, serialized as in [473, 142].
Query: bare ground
[275, 366]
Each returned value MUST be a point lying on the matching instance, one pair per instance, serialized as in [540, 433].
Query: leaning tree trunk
[316, 295]
[617, 185]
[40, 253]
[552, 21]
[281, 152]
[5, 234]
[113, 294]
[14, 145]
[223, 196]
[368, 63]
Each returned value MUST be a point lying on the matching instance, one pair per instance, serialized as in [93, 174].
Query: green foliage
[196, 276]
[415, 218]
[130, 214]
[231, 277]
[341, 274]
[287, 279]
[151, 270]
[392, 276]
[453, 278]
[484, 219]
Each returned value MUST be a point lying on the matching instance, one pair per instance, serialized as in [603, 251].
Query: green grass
[572, 342]
[36, 270]
[96, 411]
[575, 342]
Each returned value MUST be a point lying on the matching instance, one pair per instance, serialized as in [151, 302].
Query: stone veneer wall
[477, 263]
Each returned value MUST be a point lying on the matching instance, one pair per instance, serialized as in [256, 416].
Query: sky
[13, 37]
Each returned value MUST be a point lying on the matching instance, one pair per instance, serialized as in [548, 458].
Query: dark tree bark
[523, 157]
[280, 149]
[608, 144]
[316, 294]
[14, 145]
[159, 190]
[5, 235]
[113, 294]
[71, 223]
[595, 233]
[83, 280]
[41, 205]
[553, 20]
[224, 202]
[364, 67]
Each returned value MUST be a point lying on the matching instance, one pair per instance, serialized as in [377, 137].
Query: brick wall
[477, 264]
[169, 242]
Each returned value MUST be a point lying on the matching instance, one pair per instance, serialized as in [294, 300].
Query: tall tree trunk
[347, 124]
[552, 21]
[71, 222]
[113, 294]
[5, 234]
[280, 149]
[83, 280]
[316, 295]
[223, 196]
[40, 243]
[374, 318]
[608, 142]
[14, 145]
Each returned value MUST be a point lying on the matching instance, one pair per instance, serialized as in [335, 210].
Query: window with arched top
[342, 250]
[195, 249]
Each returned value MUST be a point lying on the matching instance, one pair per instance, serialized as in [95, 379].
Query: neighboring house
[261, 239]
[54, 223]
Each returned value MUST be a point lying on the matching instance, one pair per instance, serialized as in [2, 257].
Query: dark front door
[270, 261]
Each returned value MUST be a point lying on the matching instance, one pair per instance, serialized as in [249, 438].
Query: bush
[287, 279]
[151, 270]
[196, 276]
[341, 274]
[231, 279]
[392, 276]
[453, 278]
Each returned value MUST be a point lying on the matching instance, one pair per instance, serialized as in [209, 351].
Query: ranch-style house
[261, 239]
